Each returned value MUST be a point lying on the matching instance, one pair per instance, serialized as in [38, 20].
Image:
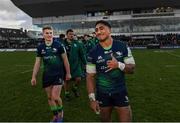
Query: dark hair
[104, 23]
[61, 36]
[47, 27]
[86, 35]
[69, 30]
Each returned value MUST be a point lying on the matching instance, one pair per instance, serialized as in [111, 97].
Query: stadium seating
[16, 38]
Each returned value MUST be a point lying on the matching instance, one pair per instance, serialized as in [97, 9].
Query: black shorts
[52, 80]
[119, 99]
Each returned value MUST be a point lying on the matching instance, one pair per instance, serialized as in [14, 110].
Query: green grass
[154, 90]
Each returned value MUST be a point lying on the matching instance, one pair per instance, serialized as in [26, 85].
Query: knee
[55, 97]
[49, 98]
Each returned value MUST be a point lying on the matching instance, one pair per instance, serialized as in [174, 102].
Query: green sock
[75, 87]
[60, 108]
[67, 93]
[54, 109]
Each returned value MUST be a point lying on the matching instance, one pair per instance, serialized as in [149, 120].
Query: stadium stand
[16, 38]
[140, 24]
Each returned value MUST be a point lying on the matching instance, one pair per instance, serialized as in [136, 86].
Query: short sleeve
[61, 49]
[91, 66]
[128, 59]
[38, 52]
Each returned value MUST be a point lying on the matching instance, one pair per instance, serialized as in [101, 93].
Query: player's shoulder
[56, 43]
[77, 42]
[119, 43]
[41, 45]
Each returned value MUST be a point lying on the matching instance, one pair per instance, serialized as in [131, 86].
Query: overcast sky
[13, 17]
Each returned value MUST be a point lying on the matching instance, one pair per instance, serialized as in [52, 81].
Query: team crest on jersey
[54, 50]
[75, 45]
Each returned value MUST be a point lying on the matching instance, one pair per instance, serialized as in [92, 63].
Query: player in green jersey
[107, 63]
[76, 57]
[54, 59]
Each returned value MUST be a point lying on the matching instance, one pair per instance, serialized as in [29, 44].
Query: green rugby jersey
[76, 57]
[114, 80]
[52, 60]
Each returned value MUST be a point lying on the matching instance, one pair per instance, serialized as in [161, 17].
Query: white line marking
[173, 54]
[30, 70]
[26, 71]
[163, 51]
[170, 65]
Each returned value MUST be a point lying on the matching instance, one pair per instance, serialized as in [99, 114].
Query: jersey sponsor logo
[100, 59]
[43, 51]
[49, 57]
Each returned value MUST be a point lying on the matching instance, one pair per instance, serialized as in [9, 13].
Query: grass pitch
[154, 90]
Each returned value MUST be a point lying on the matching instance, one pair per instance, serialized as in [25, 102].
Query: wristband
[121, 66]
[92, 97]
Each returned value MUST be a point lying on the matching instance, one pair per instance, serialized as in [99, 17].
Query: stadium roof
[45, 8]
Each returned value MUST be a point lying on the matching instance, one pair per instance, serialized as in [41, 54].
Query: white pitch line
[30, 70]
[162, 51]
[26, 71]
[173, 54]
[9, 71]
[170, 66]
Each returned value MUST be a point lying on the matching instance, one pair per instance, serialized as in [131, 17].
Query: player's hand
[95, 106]
[68, 76]
[33, 81]
[112, 64]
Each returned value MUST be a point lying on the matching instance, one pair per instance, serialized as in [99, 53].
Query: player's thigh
[105, 104]
[56, 90]
[124, 113]
[48, 91]
[105, 113]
